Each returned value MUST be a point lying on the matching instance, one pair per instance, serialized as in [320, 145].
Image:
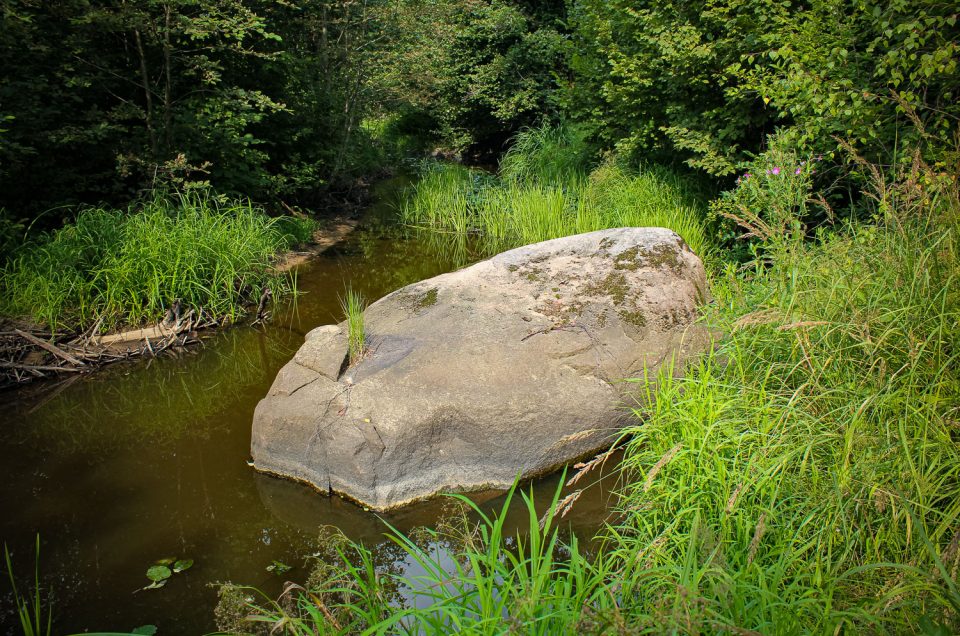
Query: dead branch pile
[28, 354]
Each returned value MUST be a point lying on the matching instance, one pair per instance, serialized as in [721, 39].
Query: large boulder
[513, 366]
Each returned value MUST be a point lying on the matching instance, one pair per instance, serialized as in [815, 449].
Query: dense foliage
[705, 81]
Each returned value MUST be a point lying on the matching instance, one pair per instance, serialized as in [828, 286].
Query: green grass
[802, 478]
[353, 305]
[547, 154]
[30, 608]
[128, 267]
[545, 192]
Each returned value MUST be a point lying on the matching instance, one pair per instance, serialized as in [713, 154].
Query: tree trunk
[147, 94]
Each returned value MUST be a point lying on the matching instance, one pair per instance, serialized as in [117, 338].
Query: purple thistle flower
[776, 170]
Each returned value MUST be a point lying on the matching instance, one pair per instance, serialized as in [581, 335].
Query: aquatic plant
[30, 608]
[353, 305]
[475, 578]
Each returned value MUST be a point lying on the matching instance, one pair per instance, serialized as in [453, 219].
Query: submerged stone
[514, 367]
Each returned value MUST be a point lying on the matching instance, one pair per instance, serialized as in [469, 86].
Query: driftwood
[43, 344]
[28, 354]
[135, 335]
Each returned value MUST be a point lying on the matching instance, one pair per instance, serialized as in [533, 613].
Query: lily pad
[145, 630]
[182, 564]
[158, 573]
[165, 561]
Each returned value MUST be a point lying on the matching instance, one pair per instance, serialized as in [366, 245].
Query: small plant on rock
[353, 304]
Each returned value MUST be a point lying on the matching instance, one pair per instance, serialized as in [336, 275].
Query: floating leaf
[165, 561]
[182, 564]
[156, 585]
[278, 567]
[145, 630]
[158, 573]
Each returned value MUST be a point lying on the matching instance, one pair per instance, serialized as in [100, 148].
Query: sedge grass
[353, 305]
[542, 195]
[128, 267]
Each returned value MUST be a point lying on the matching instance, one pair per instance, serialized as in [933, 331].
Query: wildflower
[797, 171]
[776, 170]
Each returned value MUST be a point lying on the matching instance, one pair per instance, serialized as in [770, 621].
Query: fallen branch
[60, 353]
[31, 367]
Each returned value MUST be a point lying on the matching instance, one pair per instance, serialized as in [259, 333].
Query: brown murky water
[147, 460]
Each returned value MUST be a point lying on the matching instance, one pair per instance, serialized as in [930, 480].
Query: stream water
[148, 459]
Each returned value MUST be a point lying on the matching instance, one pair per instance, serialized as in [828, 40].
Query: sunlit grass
[545, 192]
[128, 267]
[353, 305]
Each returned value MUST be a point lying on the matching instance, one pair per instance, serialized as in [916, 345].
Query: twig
[31, 367]
[60, 353]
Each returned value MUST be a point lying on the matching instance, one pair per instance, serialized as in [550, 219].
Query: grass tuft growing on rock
[353, 305]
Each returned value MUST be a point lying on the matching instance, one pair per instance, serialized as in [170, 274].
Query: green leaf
[158, 573]
[182, 564]
[156, 585]
[165, 561]
[145, 630]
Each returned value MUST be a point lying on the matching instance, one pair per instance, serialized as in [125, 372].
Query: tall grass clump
[547, 155]
[128, 267]
[353, 305]
[805, 478]
[545, 191]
